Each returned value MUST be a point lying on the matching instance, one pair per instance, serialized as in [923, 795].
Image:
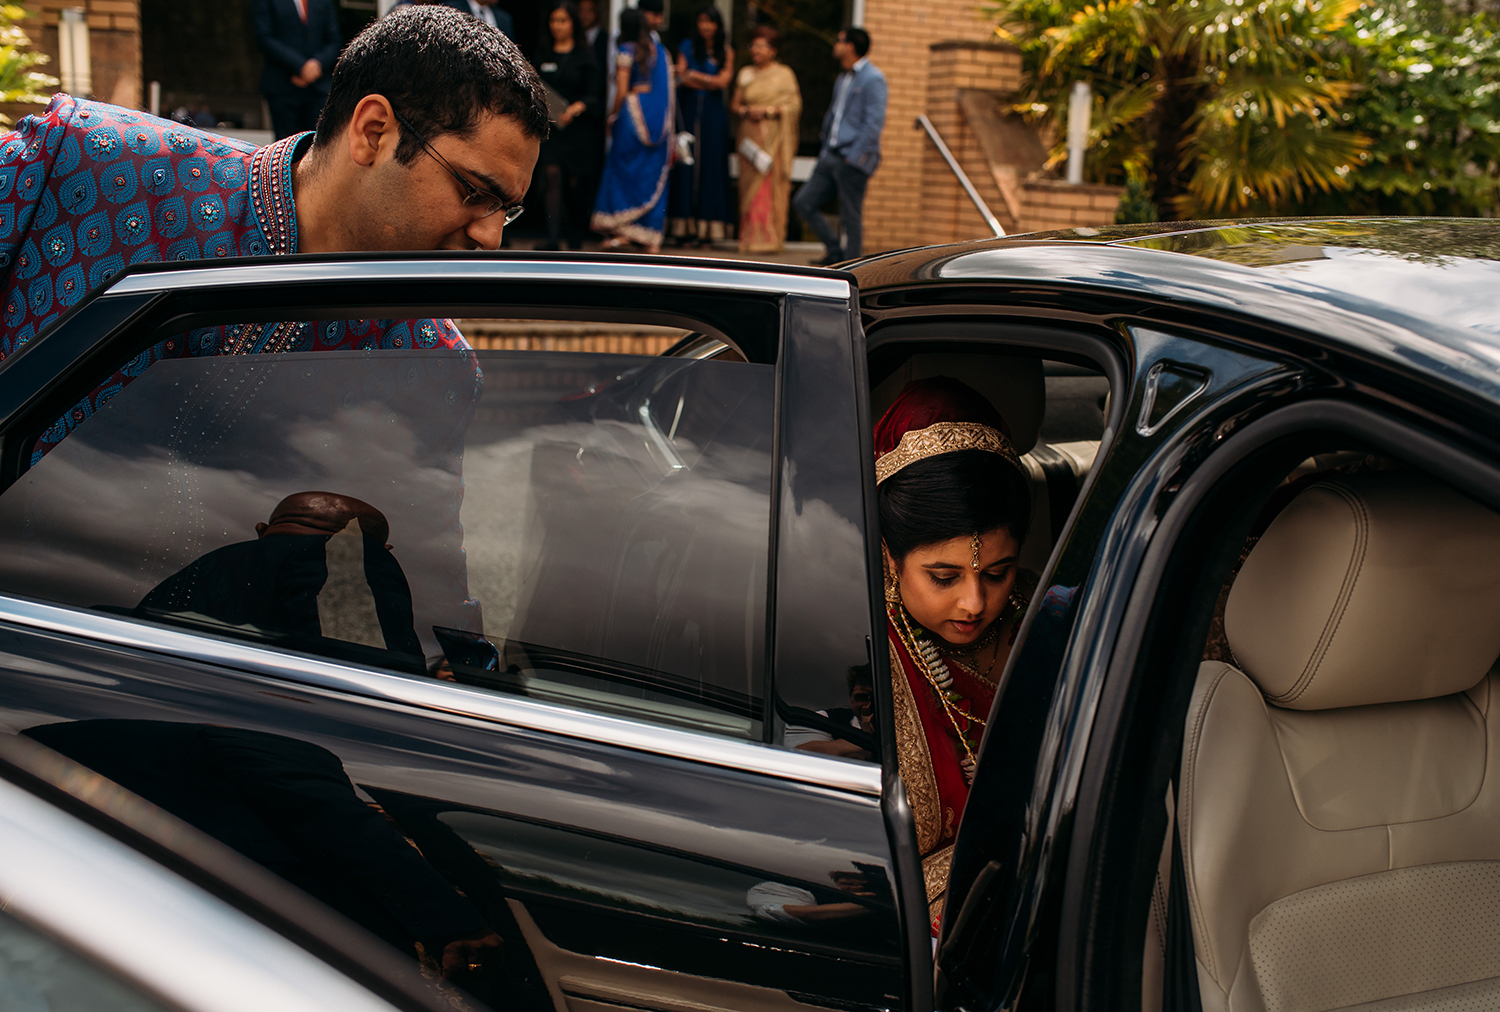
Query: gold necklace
[970, 655]
[925, 653]
[970, 660]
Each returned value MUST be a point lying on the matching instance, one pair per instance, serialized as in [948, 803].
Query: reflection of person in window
[781, 903]
[320, 568]
[289, 805]
[859, 715]
[955, 507]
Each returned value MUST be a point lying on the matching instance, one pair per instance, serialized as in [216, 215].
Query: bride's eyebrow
[1008, 560]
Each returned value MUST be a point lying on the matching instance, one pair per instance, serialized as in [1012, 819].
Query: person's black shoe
[829, 260]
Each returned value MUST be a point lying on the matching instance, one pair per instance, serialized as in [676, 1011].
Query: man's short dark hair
[440, 69]
[859, 39]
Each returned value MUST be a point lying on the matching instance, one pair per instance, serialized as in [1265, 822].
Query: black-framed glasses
[487, 201]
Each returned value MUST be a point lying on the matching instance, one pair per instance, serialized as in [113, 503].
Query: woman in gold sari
[769, 105]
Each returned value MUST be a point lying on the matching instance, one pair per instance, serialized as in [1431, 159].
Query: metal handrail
[963, 179]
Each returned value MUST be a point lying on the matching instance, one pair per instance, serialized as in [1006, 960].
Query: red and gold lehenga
[941, 701]
[936, 743]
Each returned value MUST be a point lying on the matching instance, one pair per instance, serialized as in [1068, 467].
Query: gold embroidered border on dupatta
[913, 760]
[935, 869]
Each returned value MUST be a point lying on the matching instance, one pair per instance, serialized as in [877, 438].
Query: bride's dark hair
[952, 495]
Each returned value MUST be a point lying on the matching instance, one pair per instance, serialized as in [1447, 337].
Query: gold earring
[892, 588]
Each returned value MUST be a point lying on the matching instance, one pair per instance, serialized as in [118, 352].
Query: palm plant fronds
[1211, 104]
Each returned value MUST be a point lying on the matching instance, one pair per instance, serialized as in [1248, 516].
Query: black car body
[608, 783]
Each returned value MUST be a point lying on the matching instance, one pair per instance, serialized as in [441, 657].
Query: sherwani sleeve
[29, 156]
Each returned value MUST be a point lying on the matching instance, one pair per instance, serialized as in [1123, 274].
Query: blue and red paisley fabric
[87, 189]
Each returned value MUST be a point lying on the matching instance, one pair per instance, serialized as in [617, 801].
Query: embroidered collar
[271, 191]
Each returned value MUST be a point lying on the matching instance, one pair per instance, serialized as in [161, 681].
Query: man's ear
[372, 129]
[260, 530]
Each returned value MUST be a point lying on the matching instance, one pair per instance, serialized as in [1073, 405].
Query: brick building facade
[941, 59]
[114, 44]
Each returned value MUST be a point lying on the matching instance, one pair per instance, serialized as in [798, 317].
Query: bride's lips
[963, 627]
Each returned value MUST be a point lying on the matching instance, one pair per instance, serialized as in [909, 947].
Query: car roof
[1422, 292]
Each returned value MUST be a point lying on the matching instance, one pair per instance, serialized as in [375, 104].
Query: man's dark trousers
[834, 175]
[295, 111]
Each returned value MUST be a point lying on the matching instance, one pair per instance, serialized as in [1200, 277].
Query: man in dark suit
[300, 41]
[487, 11]
[851, 149]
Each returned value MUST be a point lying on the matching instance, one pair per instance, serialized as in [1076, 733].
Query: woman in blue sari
[632, 204]
[700, 206]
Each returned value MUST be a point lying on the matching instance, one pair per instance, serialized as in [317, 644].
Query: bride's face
[945, 593]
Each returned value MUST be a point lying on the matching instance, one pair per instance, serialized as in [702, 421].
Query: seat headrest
[1376, 588]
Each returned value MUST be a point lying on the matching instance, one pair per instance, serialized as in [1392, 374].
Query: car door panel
[644, 869]
[614, 854]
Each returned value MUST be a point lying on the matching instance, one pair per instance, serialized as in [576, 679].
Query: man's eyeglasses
[487, 202]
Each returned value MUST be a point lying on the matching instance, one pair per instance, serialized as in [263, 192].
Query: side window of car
[563, 513]
[38, 972]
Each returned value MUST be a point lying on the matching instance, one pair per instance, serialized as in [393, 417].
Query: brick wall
[931, 52]
[114, 44]
[947, 212]
[901, 32]
[1051, 203]
[595, 338]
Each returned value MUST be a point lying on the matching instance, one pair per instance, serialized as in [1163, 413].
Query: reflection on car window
[37, 973]
[289, 805]
[582, 528]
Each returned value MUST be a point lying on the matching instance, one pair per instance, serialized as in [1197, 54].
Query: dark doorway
[204, 55]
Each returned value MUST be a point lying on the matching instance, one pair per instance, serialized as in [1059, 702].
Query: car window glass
[579, 527]
[38, 974]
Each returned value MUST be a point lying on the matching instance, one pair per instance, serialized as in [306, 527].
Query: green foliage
[1431, 106]
[1135, 205]
[1210, 106]
[20, 81]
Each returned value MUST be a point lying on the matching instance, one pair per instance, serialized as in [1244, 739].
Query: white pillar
[1080, 110]
[73, 61]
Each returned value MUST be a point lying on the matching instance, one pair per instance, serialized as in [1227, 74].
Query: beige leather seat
[1340, 792]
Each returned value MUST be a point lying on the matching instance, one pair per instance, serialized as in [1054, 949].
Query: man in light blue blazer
[851, 149]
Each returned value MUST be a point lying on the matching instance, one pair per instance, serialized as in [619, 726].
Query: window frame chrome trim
[846, 775]
[560, 271]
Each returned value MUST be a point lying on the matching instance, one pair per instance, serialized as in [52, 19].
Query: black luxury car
[535, 719]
